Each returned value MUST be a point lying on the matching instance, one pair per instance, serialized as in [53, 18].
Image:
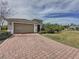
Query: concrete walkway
[35, 46]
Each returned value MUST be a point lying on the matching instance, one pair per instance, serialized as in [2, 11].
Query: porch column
[35, 28]
[11, 27]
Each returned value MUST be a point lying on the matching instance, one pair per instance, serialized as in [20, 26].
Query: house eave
[15, 20]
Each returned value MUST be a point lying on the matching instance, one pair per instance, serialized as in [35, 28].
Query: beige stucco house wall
[22, 26]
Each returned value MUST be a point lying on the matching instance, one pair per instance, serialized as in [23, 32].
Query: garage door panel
[23, 28]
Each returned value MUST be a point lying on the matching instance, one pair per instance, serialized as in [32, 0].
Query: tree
[5, 11]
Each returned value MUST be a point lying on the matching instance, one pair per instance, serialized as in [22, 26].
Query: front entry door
[38, 28]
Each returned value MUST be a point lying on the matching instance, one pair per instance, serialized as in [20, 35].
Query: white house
[16, 25]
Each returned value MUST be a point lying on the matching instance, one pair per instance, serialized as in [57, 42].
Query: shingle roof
[21, 20]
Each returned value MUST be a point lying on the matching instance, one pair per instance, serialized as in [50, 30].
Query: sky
[50, 11]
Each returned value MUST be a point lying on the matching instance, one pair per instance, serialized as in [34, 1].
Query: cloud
[30, 9]
[62, 20]
[59, 15]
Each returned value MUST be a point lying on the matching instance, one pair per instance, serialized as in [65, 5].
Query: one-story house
[16, 25]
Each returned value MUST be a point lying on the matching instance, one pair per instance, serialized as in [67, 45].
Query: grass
[70, 38]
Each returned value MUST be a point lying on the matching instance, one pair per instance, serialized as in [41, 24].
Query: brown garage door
[23, 28]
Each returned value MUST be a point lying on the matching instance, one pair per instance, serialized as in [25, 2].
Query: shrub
[57, 28]
[52, 28]
[42, 32]
[4, 35]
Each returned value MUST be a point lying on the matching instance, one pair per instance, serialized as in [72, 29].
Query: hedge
[4, 35]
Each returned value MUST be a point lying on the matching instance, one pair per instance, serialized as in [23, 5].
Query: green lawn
[67, 37]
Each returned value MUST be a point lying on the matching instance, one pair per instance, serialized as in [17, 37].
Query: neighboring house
[23, 26]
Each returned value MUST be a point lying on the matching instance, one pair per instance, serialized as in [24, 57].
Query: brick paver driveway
[35, 46]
